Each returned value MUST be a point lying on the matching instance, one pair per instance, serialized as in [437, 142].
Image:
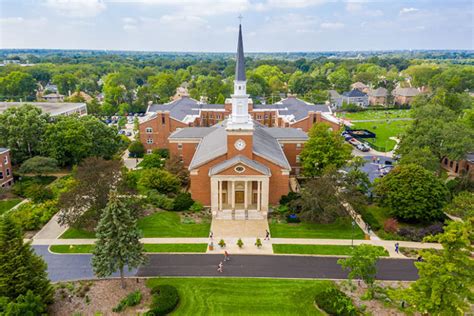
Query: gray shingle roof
[239, 159]
[470, 157]
[240, 62]
[286, 133]
[379, 92]
[294, 106]
[2, 149]
[191, 132]
[53, 108]
[354, 93]
[214, 144]
[178, 109]
[406, 92]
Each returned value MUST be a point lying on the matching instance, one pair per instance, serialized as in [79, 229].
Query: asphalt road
[73, 267]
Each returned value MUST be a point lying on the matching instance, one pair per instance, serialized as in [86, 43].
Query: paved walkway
[74, 267]
[52, 230]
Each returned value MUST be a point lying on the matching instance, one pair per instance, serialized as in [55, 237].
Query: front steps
[240, 215]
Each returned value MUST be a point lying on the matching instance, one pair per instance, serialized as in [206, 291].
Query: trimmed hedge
[165, 298]
[131, 299]
[335, 302]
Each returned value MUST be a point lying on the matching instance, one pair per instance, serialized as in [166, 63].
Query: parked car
[121, 132]
[353, 141]
[363, 147]
[128, 133]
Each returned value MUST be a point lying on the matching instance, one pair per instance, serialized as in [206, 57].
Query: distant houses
[404, 96]
[378, 96]
[53, 97]
[355, 96]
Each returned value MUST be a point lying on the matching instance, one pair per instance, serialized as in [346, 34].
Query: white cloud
[292, 3]
[408, 10]
[332, 25]
[77, 8]
[24, 23]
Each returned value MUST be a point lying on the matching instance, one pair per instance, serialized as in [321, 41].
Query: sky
[211, 25]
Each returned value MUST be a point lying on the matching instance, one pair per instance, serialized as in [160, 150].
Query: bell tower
[240, 118]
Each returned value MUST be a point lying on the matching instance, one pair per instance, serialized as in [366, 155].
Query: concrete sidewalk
[249, 243]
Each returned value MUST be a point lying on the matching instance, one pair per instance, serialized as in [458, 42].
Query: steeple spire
[240, 61]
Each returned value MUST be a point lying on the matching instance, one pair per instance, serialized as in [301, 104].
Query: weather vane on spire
[240, 17]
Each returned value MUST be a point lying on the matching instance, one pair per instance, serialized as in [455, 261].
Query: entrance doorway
[239, 197]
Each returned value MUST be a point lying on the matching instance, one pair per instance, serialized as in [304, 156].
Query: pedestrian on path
[374, 159]
[396, 247]
[267, 235]
[226, 256]
[211, 235]
[378, 159]
[220, 267]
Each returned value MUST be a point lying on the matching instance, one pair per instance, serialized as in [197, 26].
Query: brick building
[460, 167]
[6, 173]
[240, 155]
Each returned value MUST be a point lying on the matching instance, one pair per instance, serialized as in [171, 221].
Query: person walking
[211, 235]
[267, 235]
[220, 267]
[396, 247]
[226, 256]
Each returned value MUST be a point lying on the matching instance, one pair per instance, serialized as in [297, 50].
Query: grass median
[336, 250]
[341, 229]
[151, 248]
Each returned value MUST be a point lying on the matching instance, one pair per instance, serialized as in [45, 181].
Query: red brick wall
[291, 151]
[313, 117]
[201, 183]
[6, 169]
[186, 152]
[162, 126]
[457, 167]
[232, 151]
[279, 184]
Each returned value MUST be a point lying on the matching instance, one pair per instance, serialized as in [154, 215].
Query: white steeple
[240, 118]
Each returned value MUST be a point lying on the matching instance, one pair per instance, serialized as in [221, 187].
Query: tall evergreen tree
[118, 240]
[20, 269]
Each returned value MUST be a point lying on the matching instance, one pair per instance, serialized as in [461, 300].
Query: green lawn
[341, 229]
[241, 296]
[383, 131]
[160, 224]
[148, 248]
[314, 249]
[5, 205]
[375, 115]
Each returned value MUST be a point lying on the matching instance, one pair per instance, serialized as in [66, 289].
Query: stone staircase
[240, 215]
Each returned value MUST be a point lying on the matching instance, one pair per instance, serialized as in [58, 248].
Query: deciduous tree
[39, 165]
[324, 149]
[412, 193]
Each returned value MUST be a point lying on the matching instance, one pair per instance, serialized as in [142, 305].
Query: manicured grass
[339, 250]
[168, 224]
[148, 248]
[241, 296]
[384, 130]
[376, 115]
[6, 205]
[160, 224]
[341, 229]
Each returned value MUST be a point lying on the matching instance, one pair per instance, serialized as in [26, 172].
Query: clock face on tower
[239, 144]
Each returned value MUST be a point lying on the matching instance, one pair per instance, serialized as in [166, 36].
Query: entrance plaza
[239, 195]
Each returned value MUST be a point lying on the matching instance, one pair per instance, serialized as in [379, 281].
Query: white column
[220, 195]
[233, 195]
[214, 196]
[246, 193]
[259, 195]
[265, 189]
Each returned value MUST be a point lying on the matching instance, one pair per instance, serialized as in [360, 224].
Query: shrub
[390, 225]
[258, 243]
[240, 243]
[370, 219]
[335, 302]
[282, 209]
[31, 216]
[417, 234]
[285, 199]
[159, 180]
[196, 207]
[221, 243]
[136, 149]
[131, 299]
[165, 298]
[162, 152]
[38, 193]
[160, 200]
[182, 202]
[152, 161]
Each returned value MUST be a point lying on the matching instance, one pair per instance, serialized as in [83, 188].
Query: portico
[239, 193]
